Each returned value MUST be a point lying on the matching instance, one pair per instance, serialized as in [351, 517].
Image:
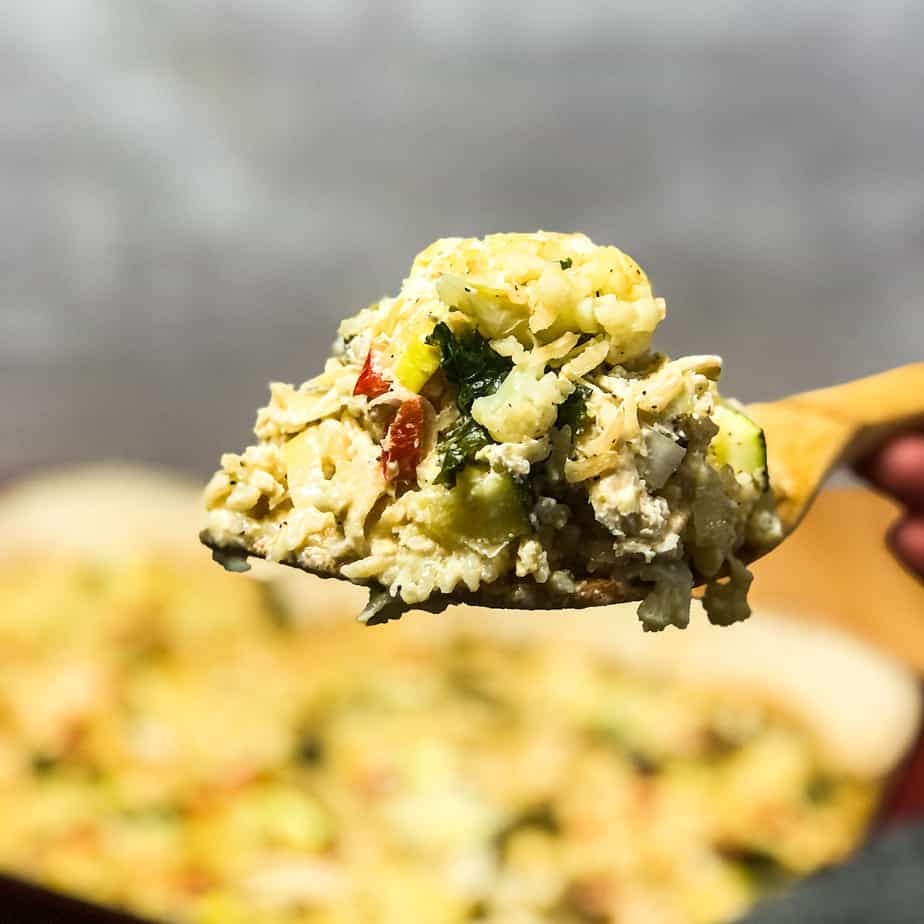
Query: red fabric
[905, 801]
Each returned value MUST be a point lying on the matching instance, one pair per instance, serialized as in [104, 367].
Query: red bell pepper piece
[371, 382]
[403, 442]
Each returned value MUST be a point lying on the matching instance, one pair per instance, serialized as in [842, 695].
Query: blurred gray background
[191, 193]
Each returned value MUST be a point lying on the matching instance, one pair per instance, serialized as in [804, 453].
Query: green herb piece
[155, 814]
[566, 263]
[820, 789]
[470, 683]
[618, 740]
[43, 764]
[572, 412]
[541, 817]
[761, 867]
[469, 362]
[309, 748]
[459, 446]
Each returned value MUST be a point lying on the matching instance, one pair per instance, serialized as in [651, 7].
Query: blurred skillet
[23, 903]
[818, 548]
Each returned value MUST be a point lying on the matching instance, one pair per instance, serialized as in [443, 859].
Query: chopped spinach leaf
[469, 362]
[459, 446]
[566, 263]
[572, 412]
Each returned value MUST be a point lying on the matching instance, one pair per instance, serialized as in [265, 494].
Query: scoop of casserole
[501, 431]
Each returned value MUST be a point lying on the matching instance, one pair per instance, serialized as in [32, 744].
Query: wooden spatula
[807, 435]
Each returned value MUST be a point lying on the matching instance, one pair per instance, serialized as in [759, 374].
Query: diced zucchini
[739, 443]
[416, 363]
[483, 506]
[491, 504]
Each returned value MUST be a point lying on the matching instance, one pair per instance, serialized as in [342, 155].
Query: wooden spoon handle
[888, 397]
[875, 406]
[808, 434]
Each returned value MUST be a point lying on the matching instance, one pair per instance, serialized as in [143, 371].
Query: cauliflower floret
[532, 559]
[523, 407]
[515, 458]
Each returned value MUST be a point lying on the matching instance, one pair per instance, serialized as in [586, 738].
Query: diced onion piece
[663, 459]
